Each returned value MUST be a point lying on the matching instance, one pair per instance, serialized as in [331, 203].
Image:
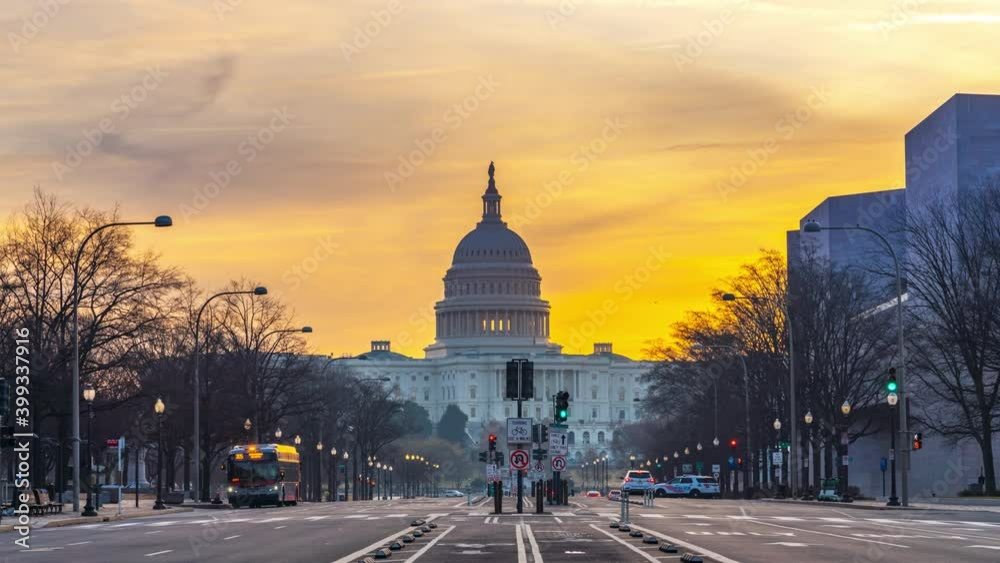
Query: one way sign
[558, 443]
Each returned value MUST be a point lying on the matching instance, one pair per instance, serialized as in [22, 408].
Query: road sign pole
[520, 474]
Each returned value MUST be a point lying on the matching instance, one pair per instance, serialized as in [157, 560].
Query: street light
[794, 447]
[715, 442]
[298, 440]
[161, 221]
[196, 383]
[631, 461]
[699, 446]
[277, 434]
[844, 442]
[815, 227]
[893, 399]
[809, 417]
[777, 424]
[159, 408]
[88, 395]
[746, 400]
[246, 426]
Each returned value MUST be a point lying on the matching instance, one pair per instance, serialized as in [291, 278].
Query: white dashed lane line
[154, 554]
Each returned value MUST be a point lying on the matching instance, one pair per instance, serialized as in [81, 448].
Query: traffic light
[493, 442]
[739, 462]
[918, 441]
[543, 434]
[891, 386]
[482, 456]
[562, 406]
[732, 443]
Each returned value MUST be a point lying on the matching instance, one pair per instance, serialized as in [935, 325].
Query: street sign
[558, 463]
[518, 430]
[700, 466]
[777, 458]
[883, 464]
[732, 462]
[519, 459]
[539, 468]
[716, 475]
[892, 454]
[558, 443]
[845, 461]
[491, 473]
[686, 468]
[112, 442]
[716, 469]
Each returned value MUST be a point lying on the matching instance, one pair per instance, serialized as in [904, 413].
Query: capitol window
[621, 414]
[621, 393]
[593, 413]
[586, 438]
[593, 392]
[600, 437]
[472, 412]
[472, 393]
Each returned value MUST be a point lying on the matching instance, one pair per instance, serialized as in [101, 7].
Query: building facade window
[572, 438]
[586, 438]
[472, 393]
[621, 414]
[472, 412]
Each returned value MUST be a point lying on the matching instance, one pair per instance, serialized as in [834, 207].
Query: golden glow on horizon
[614, 138]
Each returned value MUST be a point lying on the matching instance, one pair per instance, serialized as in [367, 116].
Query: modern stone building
[492, 312]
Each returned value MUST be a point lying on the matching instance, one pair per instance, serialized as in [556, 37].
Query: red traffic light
[918, 441]
[732, 443]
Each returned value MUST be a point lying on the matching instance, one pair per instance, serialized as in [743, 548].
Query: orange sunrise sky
[615, 125]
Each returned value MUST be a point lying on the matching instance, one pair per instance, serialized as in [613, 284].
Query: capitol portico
[493, 311]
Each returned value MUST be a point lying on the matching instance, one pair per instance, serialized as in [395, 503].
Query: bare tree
[953, 272]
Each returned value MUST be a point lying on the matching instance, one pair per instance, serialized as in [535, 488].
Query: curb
[853, 505]
[75, 521]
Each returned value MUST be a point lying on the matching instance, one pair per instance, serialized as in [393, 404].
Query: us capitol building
[493, 311]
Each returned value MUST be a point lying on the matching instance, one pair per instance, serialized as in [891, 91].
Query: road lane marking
[645, 555]
[279, 527]
[231, 537]
[314, 518]
[79, 543]
[429, 545]
[557, 519]
[156, 532]
[996, 547]
[362, 552]
[833, 535]
[536, 554]
[154, 554]
[522, 557]
[699, 550]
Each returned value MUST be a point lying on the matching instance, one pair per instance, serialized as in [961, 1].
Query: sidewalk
[107, 513]
[953, 504]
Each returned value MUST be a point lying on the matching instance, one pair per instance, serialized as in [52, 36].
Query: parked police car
[693, 486]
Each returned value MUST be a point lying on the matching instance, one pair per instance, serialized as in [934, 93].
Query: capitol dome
[492, 292]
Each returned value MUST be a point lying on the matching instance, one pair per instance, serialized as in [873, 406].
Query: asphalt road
[723, 531]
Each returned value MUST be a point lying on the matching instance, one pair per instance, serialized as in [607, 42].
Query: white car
[688, 486]
[637, 481]
[453, 494]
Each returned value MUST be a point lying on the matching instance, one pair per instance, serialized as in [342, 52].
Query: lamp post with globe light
[778, 473]
[893, 399]
[89, 394]
[159, 408]
[808, 418]
[332, 474]
[844, 442]
[318, 497]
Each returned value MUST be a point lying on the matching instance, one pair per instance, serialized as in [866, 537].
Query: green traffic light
[891, 386]
[563, 414]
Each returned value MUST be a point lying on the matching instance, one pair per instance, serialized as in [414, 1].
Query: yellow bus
[262, 474]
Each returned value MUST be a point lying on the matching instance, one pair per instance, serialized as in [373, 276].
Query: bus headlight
[229, 489]
[276, 487]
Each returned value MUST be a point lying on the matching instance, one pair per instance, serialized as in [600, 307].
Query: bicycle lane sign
[518, 430]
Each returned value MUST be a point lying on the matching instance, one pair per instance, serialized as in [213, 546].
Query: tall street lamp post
[88, 395]
[246, 427]
[631, 461]
[746, 406]
[347, 484]
[815, 227]
[159, 408]
[778, 473]
[256, 412]
[794, 449]
[893, 400]
[196, 383]
[161, 221]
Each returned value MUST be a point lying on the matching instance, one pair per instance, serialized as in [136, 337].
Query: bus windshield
[246, 471]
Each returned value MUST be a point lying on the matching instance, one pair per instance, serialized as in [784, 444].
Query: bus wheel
[234, 504]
